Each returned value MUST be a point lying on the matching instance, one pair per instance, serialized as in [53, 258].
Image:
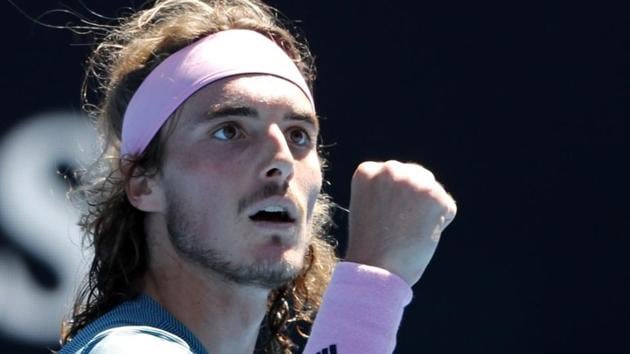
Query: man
[205, 211]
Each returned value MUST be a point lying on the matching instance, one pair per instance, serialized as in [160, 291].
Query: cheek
[201, 160]
[210, 163]
[311, 179]
[203, 180]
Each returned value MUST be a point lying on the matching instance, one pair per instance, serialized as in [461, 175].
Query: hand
[397, 214]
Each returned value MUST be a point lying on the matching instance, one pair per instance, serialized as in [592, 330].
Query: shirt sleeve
[136, 340]
[360, 313]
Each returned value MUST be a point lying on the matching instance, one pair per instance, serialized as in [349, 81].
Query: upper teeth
[274, 209]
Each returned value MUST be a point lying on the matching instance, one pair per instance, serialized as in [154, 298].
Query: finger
[367, 170]
[447, 201]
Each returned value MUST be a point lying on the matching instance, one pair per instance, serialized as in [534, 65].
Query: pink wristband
[360, 313]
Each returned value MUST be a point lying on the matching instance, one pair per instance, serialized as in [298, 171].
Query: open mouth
[273, 214]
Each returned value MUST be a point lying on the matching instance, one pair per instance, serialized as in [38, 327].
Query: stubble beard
[184, 237]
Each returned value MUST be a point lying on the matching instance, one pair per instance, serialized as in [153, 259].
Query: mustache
[266, 191]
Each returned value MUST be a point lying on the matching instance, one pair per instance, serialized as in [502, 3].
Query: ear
[145, 193]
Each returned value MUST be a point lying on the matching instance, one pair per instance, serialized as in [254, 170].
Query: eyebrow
[227, 110]
[232, 109]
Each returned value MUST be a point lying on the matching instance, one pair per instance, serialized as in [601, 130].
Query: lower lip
[269, 225]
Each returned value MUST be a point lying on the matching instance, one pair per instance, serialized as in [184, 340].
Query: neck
[223, 315]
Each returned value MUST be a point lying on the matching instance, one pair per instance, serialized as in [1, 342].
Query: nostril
[274, 172]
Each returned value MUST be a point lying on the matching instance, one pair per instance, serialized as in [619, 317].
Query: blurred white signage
[36, 215]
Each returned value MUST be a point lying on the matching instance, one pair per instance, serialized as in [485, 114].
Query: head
[239, 182]
[215, 173]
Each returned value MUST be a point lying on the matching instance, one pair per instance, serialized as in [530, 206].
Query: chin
[280, 262]
[278, 252]
[271, 274]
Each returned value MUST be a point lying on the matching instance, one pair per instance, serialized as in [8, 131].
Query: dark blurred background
[521, 110]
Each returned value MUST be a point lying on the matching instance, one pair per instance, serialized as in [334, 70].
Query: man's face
[241, 177]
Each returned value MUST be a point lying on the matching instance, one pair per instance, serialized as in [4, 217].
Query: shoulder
[136, 340]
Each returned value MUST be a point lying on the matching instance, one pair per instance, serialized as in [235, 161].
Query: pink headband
[209, 59]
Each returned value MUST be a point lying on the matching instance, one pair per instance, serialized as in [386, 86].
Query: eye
[227, 132]
[300, 137]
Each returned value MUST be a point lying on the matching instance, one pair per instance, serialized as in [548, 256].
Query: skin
[407, 210]
[211, 265]
[217, 167]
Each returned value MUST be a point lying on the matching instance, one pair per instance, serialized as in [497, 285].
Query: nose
[278, 163]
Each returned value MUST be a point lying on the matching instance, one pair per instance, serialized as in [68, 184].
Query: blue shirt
[137, 326]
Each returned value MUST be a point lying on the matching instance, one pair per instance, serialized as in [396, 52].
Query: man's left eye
[299, 136]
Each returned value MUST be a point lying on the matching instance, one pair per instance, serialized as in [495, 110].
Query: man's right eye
[227, 132]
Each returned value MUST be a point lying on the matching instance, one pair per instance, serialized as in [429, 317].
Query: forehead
[258, 92]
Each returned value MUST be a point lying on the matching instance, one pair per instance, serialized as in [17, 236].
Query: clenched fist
[397, 213]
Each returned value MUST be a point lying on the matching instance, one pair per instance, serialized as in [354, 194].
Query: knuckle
[379, 171]
[390, 170]
[388, 167]
[395, 169]
[447, 203]
[423, 172]
[366, 170]
[419, 172]
[433, 192]
[422, 184]
[392, 164]
[365, 167]
[452, 207]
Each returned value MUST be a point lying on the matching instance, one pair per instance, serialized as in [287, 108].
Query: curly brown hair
[114, 229]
